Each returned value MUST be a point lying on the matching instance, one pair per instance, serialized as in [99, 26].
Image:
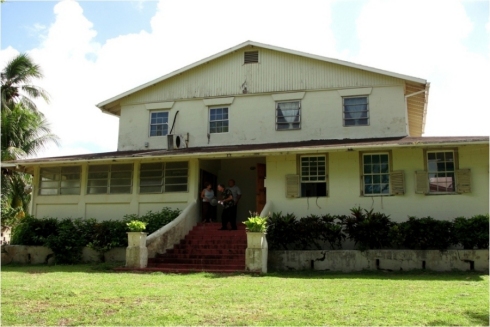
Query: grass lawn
[93, 295]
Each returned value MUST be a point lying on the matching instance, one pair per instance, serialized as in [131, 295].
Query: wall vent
[251, 57]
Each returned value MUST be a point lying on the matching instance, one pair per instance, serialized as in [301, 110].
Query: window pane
[147, 182]
[176, 188]
[97, 190]
[98, 168]
[118, 182]
[97, 182]
[151, 166]
[48, 191]
[120, 189]
[71, 191]
[151, 189]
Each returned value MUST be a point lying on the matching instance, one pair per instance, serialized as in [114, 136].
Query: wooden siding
[275, 72]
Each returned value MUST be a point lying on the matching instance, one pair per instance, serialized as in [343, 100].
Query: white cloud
[425, 39]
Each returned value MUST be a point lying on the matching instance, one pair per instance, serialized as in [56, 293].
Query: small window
[110, 179]
[376, 174]
[163, 177]
[159, 123]
[251, 57]
[313, 176]
[60, 181]
[218, 120]
[288, 115]
[441, 168]
[355, 111]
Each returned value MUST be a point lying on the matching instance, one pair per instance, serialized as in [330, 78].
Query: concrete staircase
[205, 248]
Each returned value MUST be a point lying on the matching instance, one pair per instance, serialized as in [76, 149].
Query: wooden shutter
[421, 182]
[397, 179]
[292, 186]
[463, 181]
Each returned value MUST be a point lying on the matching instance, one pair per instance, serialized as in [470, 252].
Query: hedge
[66, 237]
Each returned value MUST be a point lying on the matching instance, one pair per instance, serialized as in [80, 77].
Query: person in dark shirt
[228, 203]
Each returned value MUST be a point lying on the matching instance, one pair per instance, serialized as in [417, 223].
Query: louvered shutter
[292, 186]
[463, 181]
[421, 182]
[397, 179]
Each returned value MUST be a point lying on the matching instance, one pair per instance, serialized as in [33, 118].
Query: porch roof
[250, 150]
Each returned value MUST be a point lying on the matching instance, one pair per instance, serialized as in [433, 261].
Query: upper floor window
[355, 111]
[288, 115]
[160, 177]
[218, 120]
[441, 168]
[376, 174]
[159, 123]
[313, 176]
[110, 179]
[60, 180]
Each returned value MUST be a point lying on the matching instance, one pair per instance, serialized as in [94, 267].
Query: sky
[90, 51]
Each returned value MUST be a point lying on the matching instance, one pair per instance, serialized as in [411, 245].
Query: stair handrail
[187, 219]
[266, 210]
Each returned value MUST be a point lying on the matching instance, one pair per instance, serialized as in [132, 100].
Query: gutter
[254, 153]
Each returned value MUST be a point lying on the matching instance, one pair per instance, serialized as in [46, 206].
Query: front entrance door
[260, 194]
[206, 176]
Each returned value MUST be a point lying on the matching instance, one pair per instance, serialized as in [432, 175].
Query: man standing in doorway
[228, 204]
[237, 194]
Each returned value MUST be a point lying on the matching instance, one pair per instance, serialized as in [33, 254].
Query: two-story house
[298, 132]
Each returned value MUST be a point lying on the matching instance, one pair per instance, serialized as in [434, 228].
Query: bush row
[67, 237]
[374, 230]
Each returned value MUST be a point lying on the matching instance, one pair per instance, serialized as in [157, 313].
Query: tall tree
[23, 133]
[16, 86]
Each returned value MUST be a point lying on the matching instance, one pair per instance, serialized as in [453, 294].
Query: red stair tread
[205, 248]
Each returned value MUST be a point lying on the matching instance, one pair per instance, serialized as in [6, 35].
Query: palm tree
[16, 86]
[23, 133]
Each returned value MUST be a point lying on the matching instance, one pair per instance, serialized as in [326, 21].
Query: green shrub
[368, 229]
[425, 233]
[106, 235]
[65, 242]
[282, 231]
[32, 231]
[332, 231]
[471, 232]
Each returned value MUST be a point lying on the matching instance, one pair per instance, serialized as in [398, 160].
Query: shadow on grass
[109, 268]
[476, 319]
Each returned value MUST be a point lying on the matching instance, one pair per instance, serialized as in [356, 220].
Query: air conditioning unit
[177, 141]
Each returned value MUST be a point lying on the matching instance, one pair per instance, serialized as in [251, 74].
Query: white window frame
[431, 171]
[290, 124]
[156, 123]
[306, 176]
[221, 121]
[375, 176]
[164, 177]
[344, 112]
[114, 178]
[57, 179]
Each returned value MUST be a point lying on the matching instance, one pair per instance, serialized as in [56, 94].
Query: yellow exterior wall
[345, 185]
[252, 120]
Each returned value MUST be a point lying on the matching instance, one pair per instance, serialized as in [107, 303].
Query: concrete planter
[256, 253]
[136, 252]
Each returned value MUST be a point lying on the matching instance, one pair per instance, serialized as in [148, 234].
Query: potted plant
[136, 226]
[136, 252]
[257, 249]
[256, 227]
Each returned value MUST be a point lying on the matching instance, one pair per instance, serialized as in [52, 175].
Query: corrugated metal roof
[264, 149]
